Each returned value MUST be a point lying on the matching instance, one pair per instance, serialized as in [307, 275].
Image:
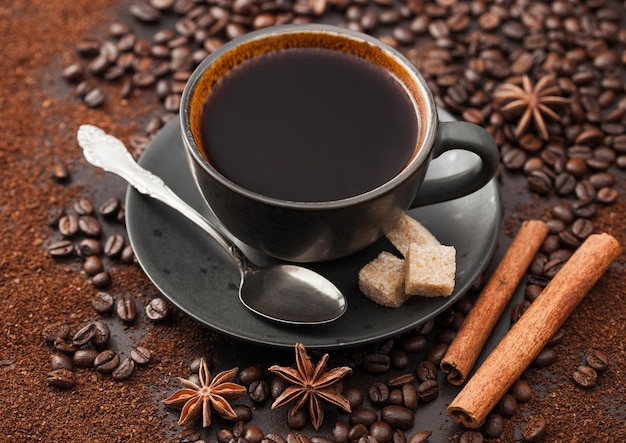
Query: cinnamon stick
[530, 334]
[477, 326]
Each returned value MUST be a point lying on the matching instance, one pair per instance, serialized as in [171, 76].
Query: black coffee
[309, 124]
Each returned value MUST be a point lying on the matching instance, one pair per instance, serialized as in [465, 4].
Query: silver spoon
[284, 293]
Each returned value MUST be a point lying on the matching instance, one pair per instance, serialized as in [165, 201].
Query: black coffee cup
[315, 229]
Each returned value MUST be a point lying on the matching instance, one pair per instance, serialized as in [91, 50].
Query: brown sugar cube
[430, 270]
[382, 280]
[408, 230]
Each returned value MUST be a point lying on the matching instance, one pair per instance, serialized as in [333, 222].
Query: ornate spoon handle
[109, 153]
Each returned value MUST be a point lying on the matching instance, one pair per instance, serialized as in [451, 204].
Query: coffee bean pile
[80, 228]
[86, 348]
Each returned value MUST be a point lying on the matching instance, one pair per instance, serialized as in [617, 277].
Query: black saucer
[196, 276]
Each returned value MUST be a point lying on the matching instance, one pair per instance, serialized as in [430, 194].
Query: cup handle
[469, 137]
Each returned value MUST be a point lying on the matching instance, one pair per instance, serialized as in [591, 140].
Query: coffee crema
[309, 125]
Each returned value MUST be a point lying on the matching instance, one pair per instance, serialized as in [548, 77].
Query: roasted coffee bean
[61, 249]
[56, 331]
[398, 436]
[410, 399]
[381, 432]
[376, 363]
[357, 431]
[141, 355]
[297, 437]
[436, 353]
[552, 267]
[378, 393]
[584, 208]
[103, 303]
[113, 245]
[101, 333]
[250, 374]
[93, 265]
[493, 426]
[68, 225]
[94, 98]
[426, 370]
[414, 343]
[428, 390]
[276, 438]
[446, 336]
[252, 434]
[585, 376]
[340, 432]
[582, 228]
[607, 195]
[83, 206]
[84, 335]
[127, 256]
[521, 390]
[507, 406]
[398, 416]
[565, 183]
[399, 359]
[297, 419]
[532, 292]
[550, 244]
[64, 346]
[85, 358]
[563, 212]
[60, 173]
[355, 397]
[101, 280]
[258, 391]
[556, 339]
[534, 430]
[514, 159]
[539, 182]
[106, 361]
[90, 246]
[124, 370]
[157, 309]
[546, 357]
[363, 416]
[60, 361]
[61, 378]
[597, 360]
[518, 310]
[89, 226]
[399, 380]
[109, 208]
[471, 437]
[126, 309]
[277, 386]
[568, 239]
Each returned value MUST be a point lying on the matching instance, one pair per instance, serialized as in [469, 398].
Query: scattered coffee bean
[124, 370]
[597, 360]
[471, 437]
[93, 265]
[103, 303]
[546, 357]
[61, 378]
[109, 208]
[428, 390]
[507, 406]
[398, 416]
[585, 376]
[106, 361]
[89, 226]
[418, 437]
[126, 309]
[534, 430]
[61, 249]
[363, 416]
[258, 391]
[84, 335]
[493, 426]
[426, 370]
[101, 280]
[68, 225]
[90, 246]
[84, 358]
[250, 374]
[157, 309]
[378, 393]
[141, 355]
[113, 245]
[521, 390]
[376, 363]
[61, 361]
[381, 432]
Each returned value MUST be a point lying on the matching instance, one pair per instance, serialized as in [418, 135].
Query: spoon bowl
[284, 293]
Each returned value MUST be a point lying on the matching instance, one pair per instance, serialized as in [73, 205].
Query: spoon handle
[109, 153]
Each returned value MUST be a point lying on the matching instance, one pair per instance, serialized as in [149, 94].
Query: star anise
[195, 399]
[531, 102]
[311, 384]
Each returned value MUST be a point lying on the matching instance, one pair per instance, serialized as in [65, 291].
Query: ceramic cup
[309, 231]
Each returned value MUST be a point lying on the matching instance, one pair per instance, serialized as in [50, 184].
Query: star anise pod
[532, 102]
[311, 384]
[195, 399]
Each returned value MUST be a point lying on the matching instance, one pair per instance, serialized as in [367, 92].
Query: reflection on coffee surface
[309, 124]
